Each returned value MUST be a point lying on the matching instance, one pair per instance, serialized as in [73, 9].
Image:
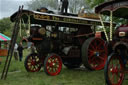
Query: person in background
[20, 51]
[59, 5]
[16, 51]
[33, 49]
[64, 6]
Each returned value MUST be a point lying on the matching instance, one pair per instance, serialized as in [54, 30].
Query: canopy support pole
[111, 25]
[103, 27]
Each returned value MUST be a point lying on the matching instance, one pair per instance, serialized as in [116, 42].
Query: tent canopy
[4, 37]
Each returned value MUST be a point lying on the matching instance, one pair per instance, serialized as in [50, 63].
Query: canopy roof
[4, 37]
[119, 8]
[52, 19]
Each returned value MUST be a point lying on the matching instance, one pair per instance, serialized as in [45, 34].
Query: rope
[21, 20]
[25, 27]
[111, 25]
[29, 23]
[23, 23]
[103, 27]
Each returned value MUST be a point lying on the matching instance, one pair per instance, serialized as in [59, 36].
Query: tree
[74, 5]
[93, 3]
[5, 25]
[50, 4]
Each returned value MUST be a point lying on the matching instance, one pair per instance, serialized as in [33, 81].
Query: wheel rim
[115, 71]
[97, 54]
[53, 65]
[33, 63]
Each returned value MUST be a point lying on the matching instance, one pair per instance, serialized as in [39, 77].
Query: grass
[19, 76]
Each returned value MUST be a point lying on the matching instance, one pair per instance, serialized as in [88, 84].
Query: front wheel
[32, 63]
[114, 74]
[53, 64]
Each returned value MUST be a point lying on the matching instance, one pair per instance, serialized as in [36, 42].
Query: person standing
[16, 51]
[33, 49]
[64, 6]
[20, 51]
[59, 5]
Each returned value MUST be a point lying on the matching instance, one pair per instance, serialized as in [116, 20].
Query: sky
[8, 7]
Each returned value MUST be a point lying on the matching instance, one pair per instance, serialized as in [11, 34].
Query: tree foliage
[93, 3]
[5, 24]
[35, 4]
[6, 27]
[74, 5]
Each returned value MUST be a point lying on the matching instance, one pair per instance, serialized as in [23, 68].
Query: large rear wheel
[53, 64]
[32, 63]
[94, 53]
[114, 74]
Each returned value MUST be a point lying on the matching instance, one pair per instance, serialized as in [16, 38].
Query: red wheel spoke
[51, 70]
[100, 57]
[91, 54]
[92, 47]
[101, 51]
[118, 76]
[112, 79]
[55, 60]
[97, 62]
[95, 44]
[91, 59]
[90, 51]
[101, 43]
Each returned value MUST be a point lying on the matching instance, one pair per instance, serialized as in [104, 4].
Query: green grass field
[19, 76]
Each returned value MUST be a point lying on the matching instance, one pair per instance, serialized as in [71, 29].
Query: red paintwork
[122, 28]
[33, 64]
[115, 71]
[97, 54]
[54, 65]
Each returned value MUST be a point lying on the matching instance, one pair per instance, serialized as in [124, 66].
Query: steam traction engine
[63, 39]
[117, 63]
